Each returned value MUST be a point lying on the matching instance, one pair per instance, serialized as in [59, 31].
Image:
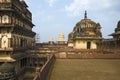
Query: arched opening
[5, 19]
[21, 42]
[4, 42]
[17, 42]
[0, 19]
[88, 45]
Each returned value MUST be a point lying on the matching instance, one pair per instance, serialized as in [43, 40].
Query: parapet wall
[87, 56]
[43, 72]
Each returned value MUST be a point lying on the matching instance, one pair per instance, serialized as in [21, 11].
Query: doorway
[88, 45]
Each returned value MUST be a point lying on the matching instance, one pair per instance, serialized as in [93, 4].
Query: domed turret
[61, 39]
[85, 29]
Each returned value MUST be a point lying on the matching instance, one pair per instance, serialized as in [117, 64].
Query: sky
[52, 17]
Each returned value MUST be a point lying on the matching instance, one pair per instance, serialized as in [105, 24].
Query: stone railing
[5, 6]
[41, 73]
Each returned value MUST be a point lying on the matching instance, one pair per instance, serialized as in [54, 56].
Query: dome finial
[85, 16]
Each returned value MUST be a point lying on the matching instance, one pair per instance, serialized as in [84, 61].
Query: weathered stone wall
[88, 56]
[43, 72]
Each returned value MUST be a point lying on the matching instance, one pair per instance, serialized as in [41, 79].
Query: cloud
[75, 7]
[51, 2]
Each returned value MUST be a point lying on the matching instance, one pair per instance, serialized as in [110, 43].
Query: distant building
[61, 39]
[85, 34]
[16, 35]
[51, 41]
[112, 44]
[116, 34]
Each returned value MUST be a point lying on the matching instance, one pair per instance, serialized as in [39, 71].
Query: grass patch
[85, 69]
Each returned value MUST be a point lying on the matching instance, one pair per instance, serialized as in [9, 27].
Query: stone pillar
[9, 42]
[0, 42]
[13, 42]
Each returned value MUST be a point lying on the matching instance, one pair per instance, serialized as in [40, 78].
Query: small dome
[85, 23]
[6, 67]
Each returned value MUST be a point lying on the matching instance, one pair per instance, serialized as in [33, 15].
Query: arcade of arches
[15, 41]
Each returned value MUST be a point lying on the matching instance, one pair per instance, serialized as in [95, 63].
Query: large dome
[86, 28]
[85, 23]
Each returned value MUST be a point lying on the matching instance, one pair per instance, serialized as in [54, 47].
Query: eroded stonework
[85, 34]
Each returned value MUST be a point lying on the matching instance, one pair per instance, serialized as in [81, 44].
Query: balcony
[20, 49]
[6, 25]
[5, 6]
[6, 49]
[14, 49]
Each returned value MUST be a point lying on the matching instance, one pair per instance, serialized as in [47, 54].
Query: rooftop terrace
[86, 69]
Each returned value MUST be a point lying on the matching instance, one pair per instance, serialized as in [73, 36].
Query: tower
[116, 34]
[61, 39]
[16, 35]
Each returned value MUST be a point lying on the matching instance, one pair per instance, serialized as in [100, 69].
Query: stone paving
[86, 69]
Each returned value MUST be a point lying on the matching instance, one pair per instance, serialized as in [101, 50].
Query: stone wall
[41, 74]
[88, 56]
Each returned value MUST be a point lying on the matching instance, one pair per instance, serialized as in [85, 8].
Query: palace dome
[85, 23]
[86, 28]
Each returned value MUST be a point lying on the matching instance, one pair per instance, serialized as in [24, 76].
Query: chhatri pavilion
[85, 34]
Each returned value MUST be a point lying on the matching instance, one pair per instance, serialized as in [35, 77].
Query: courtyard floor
[85, 69]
